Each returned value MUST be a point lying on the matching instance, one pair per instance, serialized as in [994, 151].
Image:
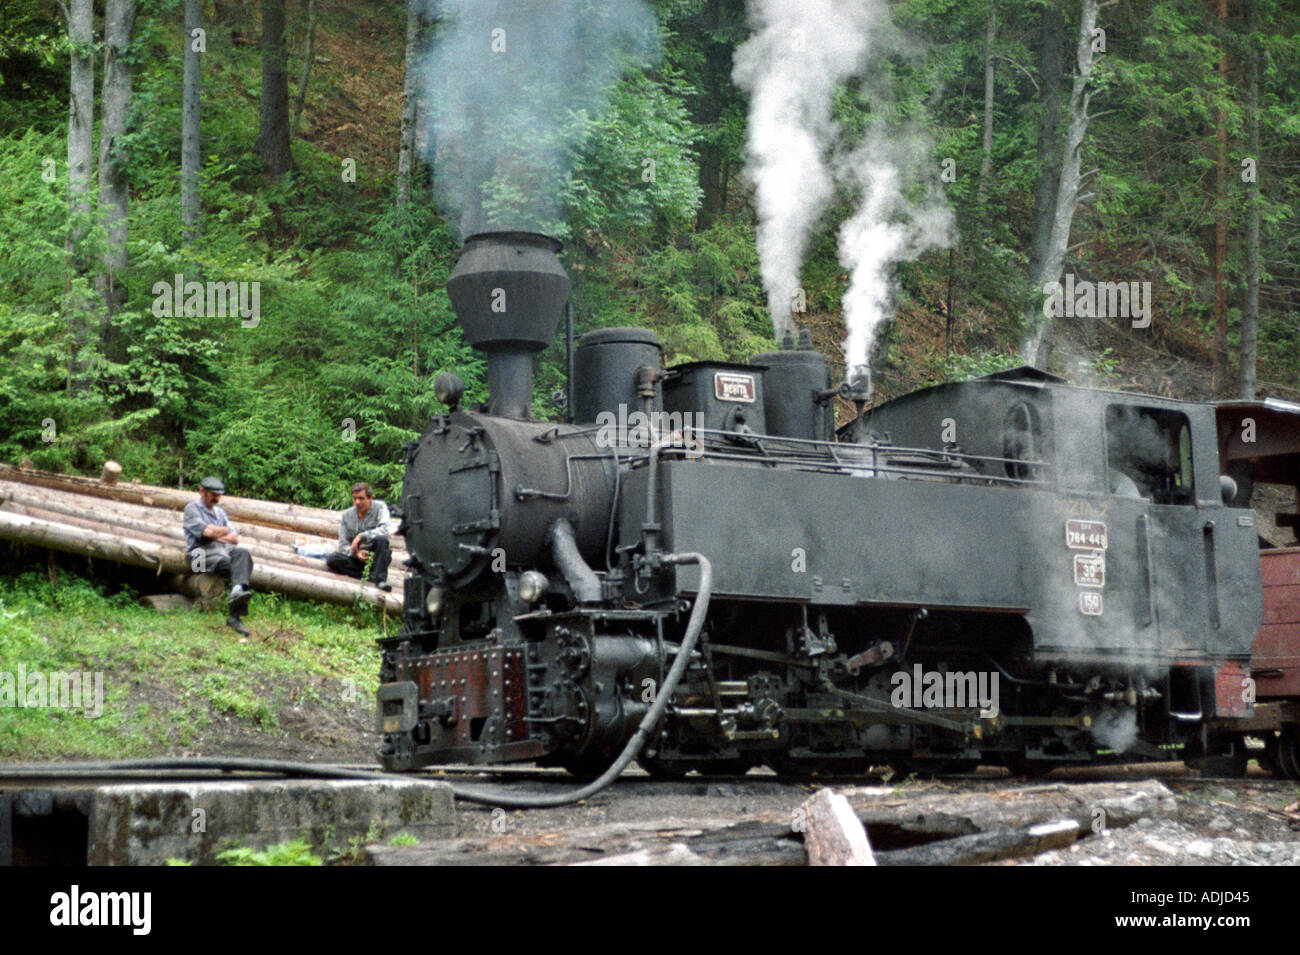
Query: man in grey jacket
[210, 546]
[364, 529]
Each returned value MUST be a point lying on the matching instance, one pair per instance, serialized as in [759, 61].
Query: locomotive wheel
[587, 766]
[925, 768]
[659, 768]
[1033, 768]
[724, 767]
[788, 766]
[1288, 753]
[1268, 759]
[802, 767]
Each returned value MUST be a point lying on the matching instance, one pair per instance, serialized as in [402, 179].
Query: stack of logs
[140, 524]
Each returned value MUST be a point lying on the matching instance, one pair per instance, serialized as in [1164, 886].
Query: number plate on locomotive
[1085, 535]
[728, 386]
[1090, 569]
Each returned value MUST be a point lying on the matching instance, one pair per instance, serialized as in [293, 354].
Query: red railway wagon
[1259, 444]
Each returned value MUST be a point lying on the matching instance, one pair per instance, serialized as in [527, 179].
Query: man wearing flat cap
[210, 545]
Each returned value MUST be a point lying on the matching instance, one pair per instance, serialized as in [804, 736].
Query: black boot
[237, 625]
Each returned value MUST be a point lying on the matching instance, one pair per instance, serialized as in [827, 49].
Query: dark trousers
[237, 565]
[343, 562]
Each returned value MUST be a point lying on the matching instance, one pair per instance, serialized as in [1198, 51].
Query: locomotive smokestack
[509, 290]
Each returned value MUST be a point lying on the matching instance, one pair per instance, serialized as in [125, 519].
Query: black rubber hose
[694, 625]
[278, 767]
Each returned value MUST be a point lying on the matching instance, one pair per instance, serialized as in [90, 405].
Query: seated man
[364, 527]
[210, 541]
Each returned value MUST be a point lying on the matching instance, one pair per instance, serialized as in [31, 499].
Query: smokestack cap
[509, 290]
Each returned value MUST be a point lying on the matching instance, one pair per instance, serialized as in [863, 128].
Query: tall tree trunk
[1220, 215]
[81, 164]
[190, 148]
[301, 97]
[1250, 309]
[713, 158]
[986, 164]
[410, 99]
[273, 119]
[1051, 43]
[1036, 345]
[119, 21]
[81, 117]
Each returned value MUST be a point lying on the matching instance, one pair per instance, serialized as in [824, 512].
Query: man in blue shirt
[210, 546]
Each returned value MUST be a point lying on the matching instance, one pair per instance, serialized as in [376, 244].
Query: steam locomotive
[1005, 570]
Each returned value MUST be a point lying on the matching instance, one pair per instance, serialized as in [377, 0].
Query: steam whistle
[857, 388]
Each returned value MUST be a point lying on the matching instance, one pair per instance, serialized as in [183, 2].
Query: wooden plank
[832, 834]
[988, 846]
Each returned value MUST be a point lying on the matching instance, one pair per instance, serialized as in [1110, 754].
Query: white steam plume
[886, 228]
[800, 51]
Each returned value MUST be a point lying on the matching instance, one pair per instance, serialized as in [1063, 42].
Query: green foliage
[336, 375]
[198, 671]
[294, 853]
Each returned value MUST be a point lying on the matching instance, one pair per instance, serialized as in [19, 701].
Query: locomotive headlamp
[532, 584]
[433, 601]
[448, 388]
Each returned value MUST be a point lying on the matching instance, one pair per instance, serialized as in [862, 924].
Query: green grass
[167, 677]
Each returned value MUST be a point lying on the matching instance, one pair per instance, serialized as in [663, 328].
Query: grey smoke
[511, 87]
[800, 53]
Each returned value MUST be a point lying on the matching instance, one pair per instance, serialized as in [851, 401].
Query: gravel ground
[1255, 821]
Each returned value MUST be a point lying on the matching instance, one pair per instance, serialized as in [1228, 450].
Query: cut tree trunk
[167, 531]
[164, 558]
[311, 520]
[273, 117]
[111, 474]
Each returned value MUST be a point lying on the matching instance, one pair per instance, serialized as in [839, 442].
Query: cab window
[1149, 454]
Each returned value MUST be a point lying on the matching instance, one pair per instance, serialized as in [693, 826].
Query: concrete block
[148, 823]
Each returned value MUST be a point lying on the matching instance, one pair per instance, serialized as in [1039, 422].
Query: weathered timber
[312, 520]
[171, 534]
[277, 545]
[987, 846]
[141, 552]
[832, 834]
[1091, 805]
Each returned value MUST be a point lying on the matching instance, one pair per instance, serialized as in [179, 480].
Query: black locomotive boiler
[1008, 569]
